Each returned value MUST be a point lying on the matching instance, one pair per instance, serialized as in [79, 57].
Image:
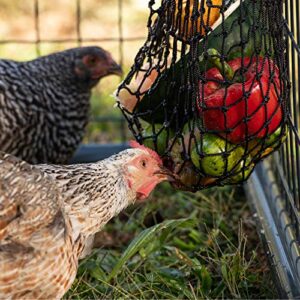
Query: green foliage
[189, 246]
[143, 240]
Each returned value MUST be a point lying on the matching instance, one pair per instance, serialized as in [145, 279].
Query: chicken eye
[143, 163]
[92, 60]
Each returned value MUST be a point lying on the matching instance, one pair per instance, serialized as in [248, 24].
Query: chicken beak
[166, 174]
[115, 69]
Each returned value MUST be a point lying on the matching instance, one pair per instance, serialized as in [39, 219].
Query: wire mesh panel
[79, 38]
[288, 164]
[42, 37]
[275, 186]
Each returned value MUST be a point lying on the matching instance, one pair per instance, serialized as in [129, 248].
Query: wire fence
[288, 162]
[79, 39]
[274, 188]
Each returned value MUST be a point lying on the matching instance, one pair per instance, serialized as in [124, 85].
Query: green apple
[213, 162]
[162, 136]
[278, 136]
[242, 171]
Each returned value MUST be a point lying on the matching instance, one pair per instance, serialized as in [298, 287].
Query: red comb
[135, 144]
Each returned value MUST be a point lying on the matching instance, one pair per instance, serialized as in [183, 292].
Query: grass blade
[144, 238]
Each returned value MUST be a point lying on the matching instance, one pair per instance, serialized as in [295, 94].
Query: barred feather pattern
[38, 258]
[44, 107]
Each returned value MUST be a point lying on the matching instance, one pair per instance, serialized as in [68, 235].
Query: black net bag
[208, 90]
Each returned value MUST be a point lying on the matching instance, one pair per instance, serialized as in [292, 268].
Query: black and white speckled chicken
[44, 103]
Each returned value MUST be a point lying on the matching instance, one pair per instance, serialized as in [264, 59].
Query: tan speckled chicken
[46, 221]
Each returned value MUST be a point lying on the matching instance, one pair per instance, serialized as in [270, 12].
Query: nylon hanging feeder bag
[208, 89]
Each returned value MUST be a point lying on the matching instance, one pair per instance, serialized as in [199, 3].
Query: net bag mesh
[208, 89]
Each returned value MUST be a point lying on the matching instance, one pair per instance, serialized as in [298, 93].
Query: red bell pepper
[239, 113]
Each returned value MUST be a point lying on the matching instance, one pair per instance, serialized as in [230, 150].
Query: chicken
[71, 180]
[47, 220]
[44, 103]
[38, 257]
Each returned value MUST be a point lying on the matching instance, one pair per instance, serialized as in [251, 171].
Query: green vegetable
[260, 148]
[278, 136]
[159, 137]
[242, 171]
[213, 162]
[188, 176]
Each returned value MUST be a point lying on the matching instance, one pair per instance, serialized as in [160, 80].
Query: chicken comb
[135, 144]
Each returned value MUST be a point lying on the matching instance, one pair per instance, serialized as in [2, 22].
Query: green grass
[205, 246]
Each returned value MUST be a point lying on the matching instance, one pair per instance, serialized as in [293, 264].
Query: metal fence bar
[268, 208]
[292, 141]
[276, 181]
[37, 27]
[290, 153]
[78, 22]
[121, 54]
